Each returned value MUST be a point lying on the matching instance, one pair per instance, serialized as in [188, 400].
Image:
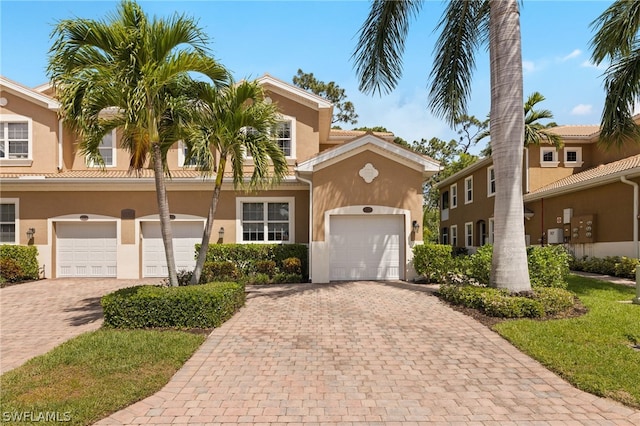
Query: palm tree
[125, 72]
[465, 27]
[230, 125]
[535, 133]
[616, 39]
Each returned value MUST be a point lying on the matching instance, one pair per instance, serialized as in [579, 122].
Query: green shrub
[256, 279]
[626, 267]
[480, 264]
[267, 267]
[219, 271]
[292, 265]
[501, 304]
[433, 261]
[604, 266]
[26, 257]
[554, 300]
[201, 306]
[10, 270]
[548, 266]
[287, 278]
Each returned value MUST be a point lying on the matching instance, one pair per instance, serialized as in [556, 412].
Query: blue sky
[278, 37]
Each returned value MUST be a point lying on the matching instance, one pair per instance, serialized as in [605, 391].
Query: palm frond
[616, 30]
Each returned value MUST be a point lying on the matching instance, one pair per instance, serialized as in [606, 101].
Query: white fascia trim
[464, 172]
[291, 89]
[29, 94]
[427, 165]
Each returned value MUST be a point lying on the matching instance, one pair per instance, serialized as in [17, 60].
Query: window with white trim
[445, 235]
[107, 148]
[453, 190]
[468, 190]
[15, 138]
[445, 200]
[468, 234]
[491, 230]
[8, 221]
[284, 137]
[268, 220]
[548, 157]
[573, 157]
[454, 235]
[491, 182]
[183, 151]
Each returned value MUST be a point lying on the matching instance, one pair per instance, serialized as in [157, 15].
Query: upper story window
[8, 221]
[468, 190]
[491, 182]
[445, 200]
[15, 140]
[284, 137]
[265, 220]
[573, 157]
[548, 157]
[183, 151]
[107, 148]
[453, 190]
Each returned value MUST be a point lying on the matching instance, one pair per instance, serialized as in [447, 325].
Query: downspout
[635, 213]
[307, 181]
[526, 168]
[60, 140]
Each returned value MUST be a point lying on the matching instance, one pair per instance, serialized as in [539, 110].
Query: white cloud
[582, 109]
[574, 54]
[528, 66]
[589, 64]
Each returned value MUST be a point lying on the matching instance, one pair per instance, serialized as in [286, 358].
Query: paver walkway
[38, 316]
[363, 354]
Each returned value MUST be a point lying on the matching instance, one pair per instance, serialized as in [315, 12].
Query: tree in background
[616, 39]
[128, 73]
[346, 112]
[465, 27]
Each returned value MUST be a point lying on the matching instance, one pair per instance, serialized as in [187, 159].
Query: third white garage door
[366, 247]
[185, 236]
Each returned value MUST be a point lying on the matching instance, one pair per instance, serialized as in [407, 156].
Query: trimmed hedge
[499, 303]
[21, 262]
[433, 261]
[619, 266]
[147, 306]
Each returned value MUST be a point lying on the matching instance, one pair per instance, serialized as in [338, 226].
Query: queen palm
[231, 125]
[465, 26]
[616, 40]
[128, 72]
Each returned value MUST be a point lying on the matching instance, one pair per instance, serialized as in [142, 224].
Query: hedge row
[18, 263]
[201, 306]
[619, 266]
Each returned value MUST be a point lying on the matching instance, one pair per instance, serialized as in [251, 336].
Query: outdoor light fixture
[30, 233]
[415, 226]
[221, 233]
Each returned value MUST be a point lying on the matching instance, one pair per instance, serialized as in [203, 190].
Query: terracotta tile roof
[356, 133]
[575, 130]
[100, 174]
[596, 173]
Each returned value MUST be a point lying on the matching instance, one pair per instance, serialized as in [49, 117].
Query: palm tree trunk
[509, 267]
[163, 209]
[206, 234]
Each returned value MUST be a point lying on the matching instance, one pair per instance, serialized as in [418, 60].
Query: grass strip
[594, 352]
[93, 375]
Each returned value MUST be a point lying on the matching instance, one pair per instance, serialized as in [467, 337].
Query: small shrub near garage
[201, 306]
[433, 261]
[219, 271]
[19, 263]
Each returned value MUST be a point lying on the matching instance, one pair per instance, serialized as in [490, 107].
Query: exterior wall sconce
[30, 233]
[416, 226]
[221, 233]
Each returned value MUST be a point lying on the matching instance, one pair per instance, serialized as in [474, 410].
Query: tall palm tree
[465, 26]
[230, 125]
[616, 40]
[124, 72]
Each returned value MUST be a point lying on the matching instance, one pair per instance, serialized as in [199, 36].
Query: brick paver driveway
[363, 353]
[36, 317]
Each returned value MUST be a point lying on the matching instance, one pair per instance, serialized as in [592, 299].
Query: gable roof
[294, 92]
[31, 95]
[603, 174]
[427, 166]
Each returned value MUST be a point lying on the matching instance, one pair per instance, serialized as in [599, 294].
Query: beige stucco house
[582, 196]
[352, 196]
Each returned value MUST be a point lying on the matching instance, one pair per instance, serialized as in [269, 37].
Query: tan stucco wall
[339, 185]
[612, 204]
[44, 138]
[307, 130]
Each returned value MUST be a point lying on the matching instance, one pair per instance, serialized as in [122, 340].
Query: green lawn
[95, 374]
[594, 352]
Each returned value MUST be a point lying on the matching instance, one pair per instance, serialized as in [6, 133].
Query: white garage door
[86, 249]
[366, 247]
[185, 236]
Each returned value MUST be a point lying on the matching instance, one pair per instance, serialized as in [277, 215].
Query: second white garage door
[366, 247]
[185, 236]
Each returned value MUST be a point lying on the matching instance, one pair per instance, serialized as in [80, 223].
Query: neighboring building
[354, 196]
[581, 196]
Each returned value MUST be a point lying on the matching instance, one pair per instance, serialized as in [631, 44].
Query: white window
[268, 220]
[15, 140]
[107, 149]
[9, 221]
[454, 235]
[573, 157]
[468, 190]
[468, 234]
[548, 157]
[491, 182]
[491, 230]
[284, 137]
[445, 236]
[183, 150]
[453, 191]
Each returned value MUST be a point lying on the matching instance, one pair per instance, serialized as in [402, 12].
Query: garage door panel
[185, 236]
[86, 249]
